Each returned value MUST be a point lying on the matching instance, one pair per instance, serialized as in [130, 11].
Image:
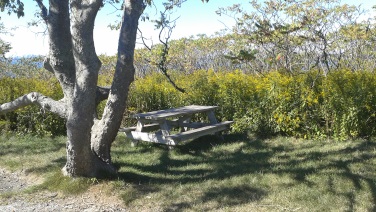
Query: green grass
[239, 174]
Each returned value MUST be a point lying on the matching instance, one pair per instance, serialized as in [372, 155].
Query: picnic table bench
[157, 126]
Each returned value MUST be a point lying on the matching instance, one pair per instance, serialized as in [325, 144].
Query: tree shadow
[251, 156]
[224, 196]
[336, 163]
[29, 145]
[53, 166]
[234, 163]
[237, 195]
[168, 170]
[206, 143]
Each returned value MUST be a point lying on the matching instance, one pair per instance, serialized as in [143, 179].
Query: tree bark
[46, 103]
[60, 58]
[73, 60]
[81, 105]
[105, 130]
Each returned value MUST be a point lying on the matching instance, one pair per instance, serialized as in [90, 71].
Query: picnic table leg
[213, 120]
[139, 127]
[182, 120]
[165, 129]
[134, 143]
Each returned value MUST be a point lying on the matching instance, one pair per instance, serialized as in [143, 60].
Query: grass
[238, 174]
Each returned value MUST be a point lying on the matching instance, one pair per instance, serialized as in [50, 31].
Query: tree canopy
[12, 6]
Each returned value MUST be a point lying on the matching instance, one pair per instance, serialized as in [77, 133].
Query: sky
[194, 17]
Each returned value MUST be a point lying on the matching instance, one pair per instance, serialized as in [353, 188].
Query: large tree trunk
[81, 161]
[106, 129]
[89, 142]
[73, 60]
[60, 60]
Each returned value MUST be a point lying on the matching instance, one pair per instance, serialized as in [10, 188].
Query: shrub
[30, 119]
[340, 105]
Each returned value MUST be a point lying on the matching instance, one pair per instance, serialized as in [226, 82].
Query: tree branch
[101, 94]
[47, 65]
[43, 9]
[165, 23]
[57, 107]
[143, 40]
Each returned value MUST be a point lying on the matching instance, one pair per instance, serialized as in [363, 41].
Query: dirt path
[15, 182]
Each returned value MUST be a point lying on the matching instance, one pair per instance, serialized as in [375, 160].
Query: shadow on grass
[55, 165]
[226, 196]
[227, 165]
[197, 153]
[30, 145]
[335, 163]
[237, 195]
[250, 157]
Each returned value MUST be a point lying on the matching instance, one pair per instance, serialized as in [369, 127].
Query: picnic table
[158, 126]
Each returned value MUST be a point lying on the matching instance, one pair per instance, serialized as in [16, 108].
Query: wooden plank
[187, 124]
[149, 137]
[173, 112]
[193, 125]
[196, 133]
[165, 128]
[184, 120]
[145, 128]
[211, 117]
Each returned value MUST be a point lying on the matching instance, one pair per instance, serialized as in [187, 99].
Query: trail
[12, 197]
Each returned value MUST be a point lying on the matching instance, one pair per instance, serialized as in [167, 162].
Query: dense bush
[30, 119]
[310, 105]
[339, 105]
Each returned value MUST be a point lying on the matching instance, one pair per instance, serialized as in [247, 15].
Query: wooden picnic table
[157, 126]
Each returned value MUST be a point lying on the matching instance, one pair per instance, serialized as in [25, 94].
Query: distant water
[36, 61]
[19, 63]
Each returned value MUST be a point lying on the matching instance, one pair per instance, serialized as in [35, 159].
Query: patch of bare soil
[13, 199]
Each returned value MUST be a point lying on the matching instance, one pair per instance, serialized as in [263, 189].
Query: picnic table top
[173, 112]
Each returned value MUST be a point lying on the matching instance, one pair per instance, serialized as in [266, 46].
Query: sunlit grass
[31, 153]
[239, 174]
[246, 174]
[57, 182]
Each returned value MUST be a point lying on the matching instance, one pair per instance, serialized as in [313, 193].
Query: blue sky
[195, 18]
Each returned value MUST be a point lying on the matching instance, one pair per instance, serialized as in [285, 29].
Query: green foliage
[30, 119]
[187, 55]
[152, 93]
[311, 105]
[12, 6]
[4, 46]
[300, 35]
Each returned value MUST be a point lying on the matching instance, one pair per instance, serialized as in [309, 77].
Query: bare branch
[46, 103]
[143, 40]
[162, 64]
[115, 7]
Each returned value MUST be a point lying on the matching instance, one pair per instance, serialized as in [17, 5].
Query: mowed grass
[239, 174]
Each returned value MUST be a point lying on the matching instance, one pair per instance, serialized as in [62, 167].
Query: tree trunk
[106, 129]
[73, 60]
[80, 159]
[92, 140]
[60, 60]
